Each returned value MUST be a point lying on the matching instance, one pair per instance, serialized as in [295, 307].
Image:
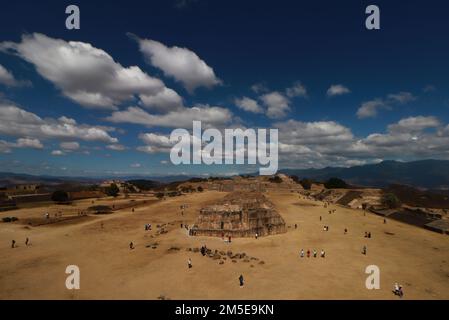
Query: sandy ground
[416, 258]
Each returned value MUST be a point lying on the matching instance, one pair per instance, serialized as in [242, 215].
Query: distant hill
[429, 174]
[9, 178]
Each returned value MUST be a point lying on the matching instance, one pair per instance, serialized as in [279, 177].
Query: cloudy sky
[103, 100]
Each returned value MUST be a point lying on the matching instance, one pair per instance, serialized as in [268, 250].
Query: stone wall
[239, 214]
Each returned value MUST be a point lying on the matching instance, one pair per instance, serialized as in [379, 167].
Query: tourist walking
[364, 250]
[323, 253]
[301, 254]
[27, 241]
[241, 281]
[189, 263]
[13, 244]
[131, 245]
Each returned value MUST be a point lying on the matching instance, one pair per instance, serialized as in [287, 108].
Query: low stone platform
[239, 214]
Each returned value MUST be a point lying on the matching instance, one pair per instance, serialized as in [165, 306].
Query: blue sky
[340, 94]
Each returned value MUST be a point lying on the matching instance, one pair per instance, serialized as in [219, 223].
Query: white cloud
[313, 133]
[8, 79]
[413, 124]
[369, 109]
[297, 90]
[69, 146]
[164, 101]
[328, 143]
[29, 143]
[259, 88]
[402, 97]
[337, 90]
[277, 104]
[135, 165]
[155, 143]
[116, 147]
[85, 74]
[183, 118]
[57, 153]
[6, 147]
[181, 64]
[15, 121]
[248, 104]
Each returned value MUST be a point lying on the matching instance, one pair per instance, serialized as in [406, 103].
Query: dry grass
[414, 257]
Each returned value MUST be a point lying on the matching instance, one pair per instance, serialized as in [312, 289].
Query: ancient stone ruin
[239, 214]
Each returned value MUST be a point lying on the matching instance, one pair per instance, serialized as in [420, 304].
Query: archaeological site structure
[239, 214]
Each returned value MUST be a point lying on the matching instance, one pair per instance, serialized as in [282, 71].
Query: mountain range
[428, 174]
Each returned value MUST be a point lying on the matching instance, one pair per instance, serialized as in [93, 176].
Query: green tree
[335, 183]
[306, 184]
[391, 201]
[60, 196]
[159, 195]
[112, 190]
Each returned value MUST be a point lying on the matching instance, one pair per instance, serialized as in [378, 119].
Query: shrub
[306, 184]
[390, 201]
[335, 183]
[112, 190]
[60, 196]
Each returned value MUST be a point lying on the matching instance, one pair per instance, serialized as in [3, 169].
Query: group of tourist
[27, 243]
[229, 237]
[398, 290]
[147, 227]
[314, 253]
[367, 234]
